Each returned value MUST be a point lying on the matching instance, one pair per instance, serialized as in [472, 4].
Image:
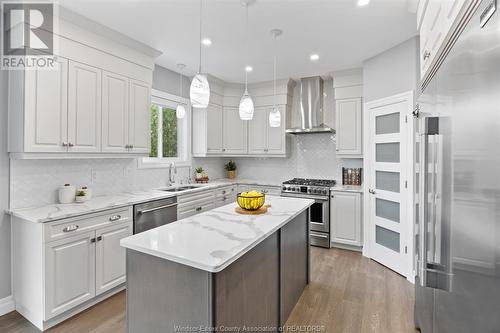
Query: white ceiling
[340, 32]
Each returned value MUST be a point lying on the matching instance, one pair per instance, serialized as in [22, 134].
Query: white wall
[391, 72]
[5, 289]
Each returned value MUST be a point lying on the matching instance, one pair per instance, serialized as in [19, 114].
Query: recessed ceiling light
[206, 41]
[362, 3]
[314, 57]
[249, 68]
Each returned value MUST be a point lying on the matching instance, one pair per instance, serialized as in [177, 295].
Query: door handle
[371, 191]
[71, 228]
[427, 54]
[115, 218]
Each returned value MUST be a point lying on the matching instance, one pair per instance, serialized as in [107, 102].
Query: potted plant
[199, 172]
[81, 196]
[231, 169]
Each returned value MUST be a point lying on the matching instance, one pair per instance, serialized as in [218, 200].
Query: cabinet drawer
[185, 198]
[228, 190]
[193, 204]
[78, 225]
[195, 210]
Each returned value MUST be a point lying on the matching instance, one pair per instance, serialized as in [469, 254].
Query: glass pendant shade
[275, 117]
[199, 92]
[180, 112]
[246, 107]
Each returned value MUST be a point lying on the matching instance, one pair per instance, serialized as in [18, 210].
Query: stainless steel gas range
[319, 213]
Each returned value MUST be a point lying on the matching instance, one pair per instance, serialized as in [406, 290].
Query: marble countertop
[347, 188]
[53, 212]
[212, 240]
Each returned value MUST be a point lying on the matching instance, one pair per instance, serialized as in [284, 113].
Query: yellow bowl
[251, 202]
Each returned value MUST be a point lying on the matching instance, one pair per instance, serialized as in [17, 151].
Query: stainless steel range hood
[311, 108]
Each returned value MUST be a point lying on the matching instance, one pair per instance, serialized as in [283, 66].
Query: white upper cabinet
[257, 132]
[219, 131]
[84, 108]
[235, 132]
[348, 122]
[115, 113]
[139, 123]
[264, 139]
[435, 21]
[95, 101]
[214, 122]
[46, 108]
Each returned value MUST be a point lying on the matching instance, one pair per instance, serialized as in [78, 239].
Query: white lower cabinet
[80, 263]
[345, 218]
[110, 257]
[69, 273]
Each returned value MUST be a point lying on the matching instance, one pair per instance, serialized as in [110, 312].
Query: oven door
[319, 212]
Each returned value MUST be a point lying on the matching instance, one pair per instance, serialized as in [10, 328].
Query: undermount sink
[180, 189]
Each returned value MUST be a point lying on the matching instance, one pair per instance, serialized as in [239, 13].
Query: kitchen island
[219, 269]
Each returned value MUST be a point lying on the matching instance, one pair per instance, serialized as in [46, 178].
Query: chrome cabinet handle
[131, 146]
[71, 228]
[70, 144]
[224, 192]
[64, 144]
[198, 209]
[92, 240]
[224, 198]
[115, 218]
[427, 55]
[371, 191]
[223, 149]
[99, 238]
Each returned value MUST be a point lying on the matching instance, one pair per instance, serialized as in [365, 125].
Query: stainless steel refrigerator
[457, 232]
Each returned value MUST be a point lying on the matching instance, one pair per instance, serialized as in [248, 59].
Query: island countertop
[212, 240]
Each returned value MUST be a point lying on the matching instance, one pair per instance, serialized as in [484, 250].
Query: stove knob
[309, 190]
[283, 188]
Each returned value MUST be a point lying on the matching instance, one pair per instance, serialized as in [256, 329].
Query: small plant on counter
[199, 172]
[80, 196]
[231, 169]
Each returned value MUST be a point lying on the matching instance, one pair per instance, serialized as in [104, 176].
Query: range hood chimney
[311, 108]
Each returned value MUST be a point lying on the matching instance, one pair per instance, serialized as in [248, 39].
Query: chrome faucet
[171, 177]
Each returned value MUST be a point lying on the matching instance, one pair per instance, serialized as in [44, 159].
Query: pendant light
[275, 114]
[180, 111]
[246, 108]
[199, 93]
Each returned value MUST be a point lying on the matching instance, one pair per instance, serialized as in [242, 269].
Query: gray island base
[254, 293]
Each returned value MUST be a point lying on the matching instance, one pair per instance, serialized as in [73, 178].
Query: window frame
[170, 101]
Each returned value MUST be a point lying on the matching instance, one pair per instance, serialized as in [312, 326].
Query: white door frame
[409, 137]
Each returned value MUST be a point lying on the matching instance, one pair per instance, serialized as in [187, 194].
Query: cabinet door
[214, 129]
[84, 108]
[110, 257]
[431, 34]
[235, 132]
[348, 120]
[276, 135]
[346, 218]
[69, 273]
[257, 132]
[46, 108]
[139, 119]
[115, 113]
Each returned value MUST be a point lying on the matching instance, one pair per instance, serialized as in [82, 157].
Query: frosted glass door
[387, 184]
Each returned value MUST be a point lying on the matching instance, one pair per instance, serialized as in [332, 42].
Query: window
[170, 137]
[163, 132]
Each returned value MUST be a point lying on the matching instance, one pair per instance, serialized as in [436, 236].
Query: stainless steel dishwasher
[153, 214]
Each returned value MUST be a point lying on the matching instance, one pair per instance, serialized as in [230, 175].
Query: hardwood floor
[348, 293]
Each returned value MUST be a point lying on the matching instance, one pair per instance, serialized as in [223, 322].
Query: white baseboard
[7, 305]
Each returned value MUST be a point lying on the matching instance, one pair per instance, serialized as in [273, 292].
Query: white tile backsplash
[35, 182]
